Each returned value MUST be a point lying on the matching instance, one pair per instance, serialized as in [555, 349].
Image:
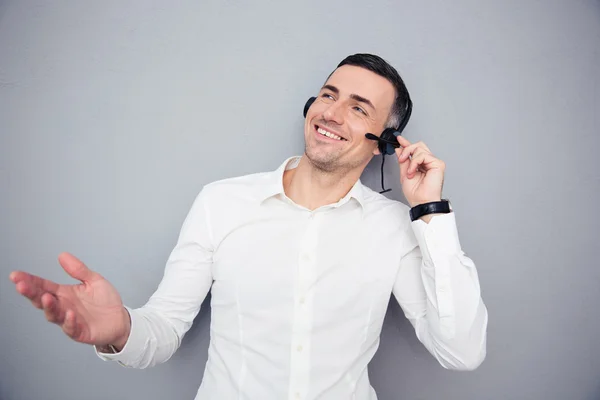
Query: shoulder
[238, 183]
[238, 188]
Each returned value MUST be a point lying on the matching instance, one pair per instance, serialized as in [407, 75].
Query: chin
[322, 161]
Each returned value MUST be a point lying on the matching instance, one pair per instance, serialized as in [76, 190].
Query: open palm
[90, 312]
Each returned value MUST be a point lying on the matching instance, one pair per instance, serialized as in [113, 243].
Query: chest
[335, 260]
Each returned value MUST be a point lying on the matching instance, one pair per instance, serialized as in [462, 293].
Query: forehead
[350, 79]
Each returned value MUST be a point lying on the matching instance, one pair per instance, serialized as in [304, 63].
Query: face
[353, 102]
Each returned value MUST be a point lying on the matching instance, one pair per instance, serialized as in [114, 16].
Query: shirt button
[302, 300]
[442, 288]
[297, 395]
[306, 257]
[299, 348]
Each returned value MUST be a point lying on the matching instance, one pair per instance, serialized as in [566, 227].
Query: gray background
[111, 120]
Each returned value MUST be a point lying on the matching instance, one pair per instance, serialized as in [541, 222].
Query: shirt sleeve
[158, 327]
[438, 289]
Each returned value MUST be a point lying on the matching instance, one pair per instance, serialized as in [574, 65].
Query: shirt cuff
[440, 235]
[136, 343]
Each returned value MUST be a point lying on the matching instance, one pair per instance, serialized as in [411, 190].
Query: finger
[407, 152]
[423, 146]
[69, 326]
[422, 160]
[410, 150]
[418, 159]
[52, 309]
[414, 161]
[402, 153]
[76, 268]
[412, 167]
[34, 287]
[28, 291]
[403, 141]
[34, 281]
[405, 149]
[404, 170]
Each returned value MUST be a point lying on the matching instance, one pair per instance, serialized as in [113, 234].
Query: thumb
[404, 170]
[76, 268]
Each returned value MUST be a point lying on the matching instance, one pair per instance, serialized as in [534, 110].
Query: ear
[376, 150]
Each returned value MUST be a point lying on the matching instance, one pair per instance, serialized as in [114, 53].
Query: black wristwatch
[434, 207]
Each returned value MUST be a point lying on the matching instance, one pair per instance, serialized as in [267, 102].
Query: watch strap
[434, 207]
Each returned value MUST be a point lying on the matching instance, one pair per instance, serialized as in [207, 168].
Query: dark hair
[383, 68]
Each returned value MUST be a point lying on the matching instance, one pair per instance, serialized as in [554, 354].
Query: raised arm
[437, 287]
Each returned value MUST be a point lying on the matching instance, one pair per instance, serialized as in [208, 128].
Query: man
[301, 263]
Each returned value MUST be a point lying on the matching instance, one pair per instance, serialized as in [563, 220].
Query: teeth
[328, 134]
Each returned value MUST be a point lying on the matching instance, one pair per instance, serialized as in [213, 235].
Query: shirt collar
[275, 183]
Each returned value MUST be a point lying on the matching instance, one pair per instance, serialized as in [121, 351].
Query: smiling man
[301, 263]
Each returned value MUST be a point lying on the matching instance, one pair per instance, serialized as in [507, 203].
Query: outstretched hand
[90, 312]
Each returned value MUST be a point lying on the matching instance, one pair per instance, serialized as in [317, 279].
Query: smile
[328, 134]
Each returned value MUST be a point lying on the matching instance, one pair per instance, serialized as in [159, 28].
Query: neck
[312, 188]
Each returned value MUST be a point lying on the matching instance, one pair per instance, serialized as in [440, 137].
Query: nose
[334, 113]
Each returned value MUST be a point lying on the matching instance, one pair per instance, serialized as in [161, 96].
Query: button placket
[302, 319]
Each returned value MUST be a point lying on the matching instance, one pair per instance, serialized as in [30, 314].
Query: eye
[327, 96]
[360, 110]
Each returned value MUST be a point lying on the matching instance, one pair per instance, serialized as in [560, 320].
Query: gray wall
[110, 119]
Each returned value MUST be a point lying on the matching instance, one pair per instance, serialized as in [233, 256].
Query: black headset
[387, 142]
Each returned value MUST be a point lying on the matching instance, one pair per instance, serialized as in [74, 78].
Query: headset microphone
[387, 141]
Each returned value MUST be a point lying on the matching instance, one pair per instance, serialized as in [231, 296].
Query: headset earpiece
[387, 142]
[308, 104]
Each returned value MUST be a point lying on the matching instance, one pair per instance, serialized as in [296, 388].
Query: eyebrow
[352, 96]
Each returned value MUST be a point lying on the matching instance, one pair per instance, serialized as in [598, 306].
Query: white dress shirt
[298, 297]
